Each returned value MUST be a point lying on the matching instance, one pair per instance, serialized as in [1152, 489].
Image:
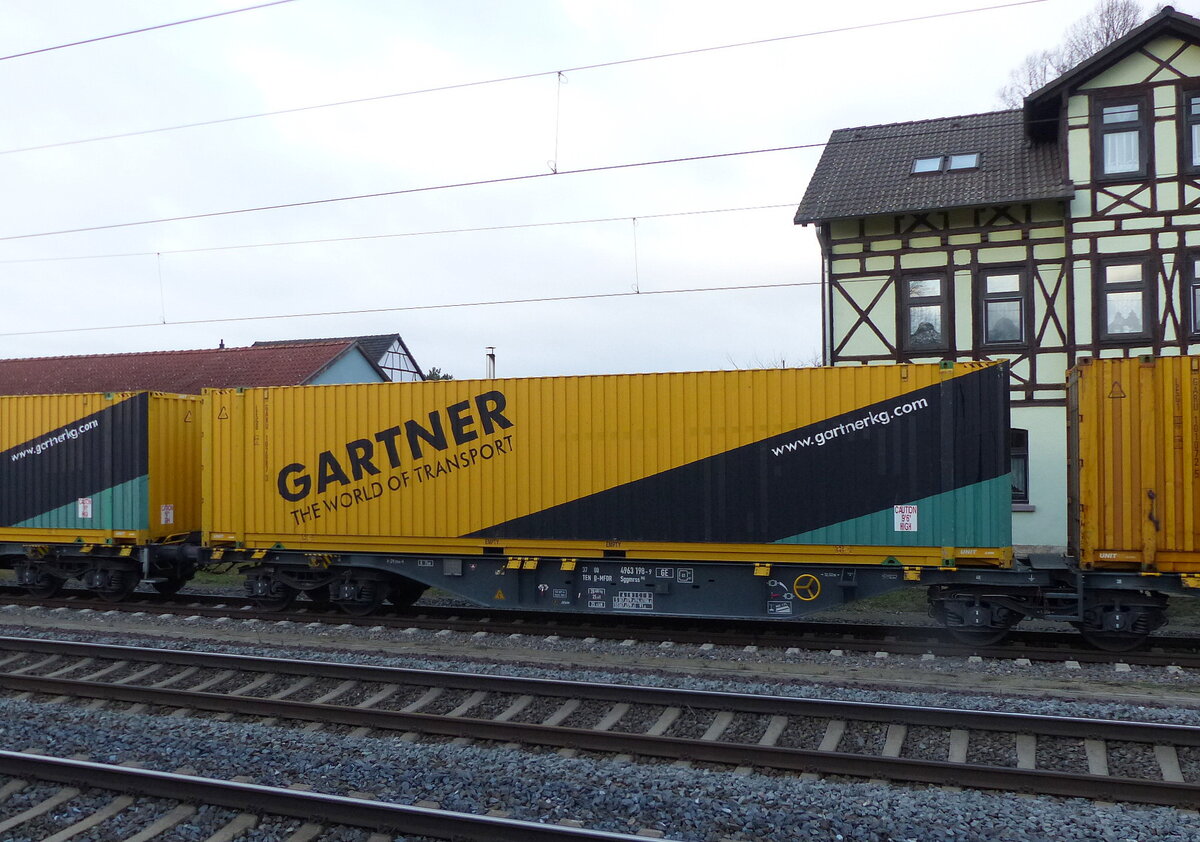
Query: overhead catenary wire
[143, 29]
[491, 181]
[396, 235]
[502, 79]
[415, 307]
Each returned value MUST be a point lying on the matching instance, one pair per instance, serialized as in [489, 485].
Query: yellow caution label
[807, 587]
[499, 594]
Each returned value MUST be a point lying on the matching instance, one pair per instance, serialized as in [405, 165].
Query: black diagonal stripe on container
[115, 451]
[749, 494]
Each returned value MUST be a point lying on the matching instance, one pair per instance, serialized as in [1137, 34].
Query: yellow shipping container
[98, 468]
[863, 462]
[1134, 453]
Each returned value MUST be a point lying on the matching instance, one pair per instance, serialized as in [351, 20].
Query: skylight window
[946, 163]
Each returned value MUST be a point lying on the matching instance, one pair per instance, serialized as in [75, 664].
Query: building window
[1191, 295]
[924, 313]
[965, 161]
[922, 165]
[1191, 124]
[1125, 305]
[1119, 147]
[946, 163]
[1018, 454]
[1003, 303]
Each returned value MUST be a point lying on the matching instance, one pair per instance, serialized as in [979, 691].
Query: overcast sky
[311, 52]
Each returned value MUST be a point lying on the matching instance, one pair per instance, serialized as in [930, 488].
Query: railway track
[1047, 646]
[320, 813]
[1062, 756]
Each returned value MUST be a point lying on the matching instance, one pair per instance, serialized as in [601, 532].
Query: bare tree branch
[1110, 20]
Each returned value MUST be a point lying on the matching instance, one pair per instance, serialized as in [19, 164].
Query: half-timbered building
[1066, 229]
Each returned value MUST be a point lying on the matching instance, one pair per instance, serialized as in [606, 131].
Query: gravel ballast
[685, 803]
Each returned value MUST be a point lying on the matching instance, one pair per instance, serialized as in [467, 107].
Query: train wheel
[359, 597]
[405, 592]
[39, 583]
[1114, 641]
[319, 597]
[279, 597]
[978, 637]
[117, 585]
[169, 587]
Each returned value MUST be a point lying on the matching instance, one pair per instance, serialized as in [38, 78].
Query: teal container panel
[124, 506]
[977, 515]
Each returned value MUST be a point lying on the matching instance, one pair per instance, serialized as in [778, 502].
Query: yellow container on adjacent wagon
[1134, 453]
[882, 464]
[98, 468]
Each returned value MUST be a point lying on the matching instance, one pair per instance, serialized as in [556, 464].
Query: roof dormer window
[965, 161]
[946, 163]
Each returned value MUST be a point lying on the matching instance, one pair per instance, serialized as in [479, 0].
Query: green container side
[124, 506]
[978, 515]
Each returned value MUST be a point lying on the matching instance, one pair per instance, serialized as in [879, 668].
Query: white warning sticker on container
[84, 507]
[906, 518]
[166, 513]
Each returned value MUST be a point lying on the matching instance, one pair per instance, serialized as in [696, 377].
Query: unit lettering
[361, 457]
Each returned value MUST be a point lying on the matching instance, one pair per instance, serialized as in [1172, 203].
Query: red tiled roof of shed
[185, 372]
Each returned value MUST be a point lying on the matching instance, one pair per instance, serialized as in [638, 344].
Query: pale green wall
[349, 368]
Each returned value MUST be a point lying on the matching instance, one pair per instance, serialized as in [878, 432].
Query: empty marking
[959, 741]
[86, 662]
[385, 693]
[612, 717]
[519, 704]
[169, 680]
[719, 724]
[1026, 751]
[833, 735]
[894, 741]
[341, 689]
[164, 824]
[106, 671]
[306, 833]
[430, 694]
[775, 729]
[45, 662]
[245, 689]
[1168, 762]
[103, 814]
[568, 707]
[239, 825]
[665, 720]
[294, 688]
[11, 787]
[60, 797]
[469, 702]
[1097, 756]
[135, 676]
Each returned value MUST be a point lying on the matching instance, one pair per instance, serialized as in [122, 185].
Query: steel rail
[321, 807]
[1053, 646]
[940, 717]
[899, 769]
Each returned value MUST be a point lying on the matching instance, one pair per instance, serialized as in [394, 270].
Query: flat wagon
[103, 487]
[738, 493]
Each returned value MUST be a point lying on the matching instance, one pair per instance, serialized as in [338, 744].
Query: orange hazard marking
[499, 595]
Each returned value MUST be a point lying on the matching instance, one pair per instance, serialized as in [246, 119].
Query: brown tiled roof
[868, 170]
[374, 346]
[185, 372]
